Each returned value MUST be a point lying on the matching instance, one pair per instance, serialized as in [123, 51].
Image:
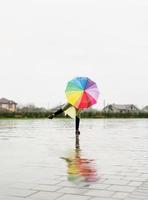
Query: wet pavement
[39, 161]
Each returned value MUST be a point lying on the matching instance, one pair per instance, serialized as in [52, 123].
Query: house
[6, 104]
[145, 109]
[121, 108]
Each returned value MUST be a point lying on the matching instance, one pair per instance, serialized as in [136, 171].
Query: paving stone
[102, 198]
[114, 177]
[99, 193]
[70, 184]
[72, 190]
[136, 197]
[131, 174]
[120, 195]
[116, 182]
[141, 179]
[11, 198]
[131, 198]
[145, 175]
[66, 183]
[50, 182]
[142, 191]
[50, 188]
[99, 186]
[135, 183]
[73, 197]
[23, 185]
[144, 185]
[19, 192]
[121, 188]
[101, 180]
[139, 194]
[45, 196]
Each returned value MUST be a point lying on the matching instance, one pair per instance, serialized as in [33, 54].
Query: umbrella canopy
[82, 92]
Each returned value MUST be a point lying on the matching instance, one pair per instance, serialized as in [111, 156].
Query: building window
[10, 106]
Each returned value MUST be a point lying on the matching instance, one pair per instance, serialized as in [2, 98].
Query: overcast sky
[45, 43]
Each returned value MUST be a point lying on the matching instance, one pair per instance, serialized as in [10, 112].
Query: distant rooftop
[145, 108]
[6, 101]
[122, 106]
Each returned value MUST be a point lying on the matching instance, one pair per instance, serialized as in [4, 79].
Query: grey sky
[44, 43]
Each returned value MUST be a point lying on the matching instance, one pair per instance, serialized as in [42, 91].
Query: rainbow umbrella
[82, 92]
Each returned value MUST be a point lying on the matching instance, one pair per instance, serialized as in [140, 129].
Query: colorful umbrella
[82, 92]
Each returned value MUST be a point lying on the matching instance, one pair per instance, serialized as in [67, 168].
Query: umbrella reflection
[79, 168]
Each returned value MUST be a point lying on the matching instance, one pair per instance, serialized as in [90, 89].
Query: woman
[63, 109]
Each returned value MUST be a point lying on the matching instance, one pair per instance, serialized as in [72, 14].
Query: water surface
[35, 151]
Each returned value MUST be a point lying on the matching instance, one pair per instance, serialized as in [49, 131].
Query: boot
[51, 116]
[77, 132]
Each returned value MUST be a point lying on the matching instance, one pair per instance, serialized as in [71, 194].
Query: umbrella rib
[79, 100]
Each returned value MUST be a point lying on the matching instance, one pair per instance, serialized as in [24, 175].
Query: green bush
[35, 112]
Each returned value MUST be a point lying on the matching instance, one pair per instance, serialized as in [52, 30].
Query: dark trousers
[77, 119]
[77, 122]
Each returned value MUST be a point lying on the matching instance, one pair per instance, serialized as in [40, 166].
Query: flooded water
[41, 151]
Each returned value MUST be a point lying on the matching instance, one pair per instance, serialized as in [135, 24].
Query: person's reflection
[80, 169]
